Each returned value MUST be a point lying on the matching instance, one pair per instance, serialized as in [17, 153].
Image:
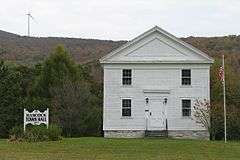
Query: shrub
[16, 133]
[54, 132]
[36, 133]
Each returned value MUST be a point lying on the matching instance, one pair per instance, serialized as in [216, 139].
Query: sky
[120, 19]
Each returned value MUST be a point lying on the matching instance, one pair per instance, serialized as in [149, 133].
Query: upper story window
[186, 107]
[186, 77]
[126, 76]
[126, 107]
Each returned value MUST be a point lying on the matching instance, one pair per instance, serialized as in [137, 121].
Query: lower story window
[126, 107]
[186, 107]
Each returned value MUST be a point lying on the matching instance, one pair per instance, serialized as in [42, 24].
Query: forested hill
[30, 50]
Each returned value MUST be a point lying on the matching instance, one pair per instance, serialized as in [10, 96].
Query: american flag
[221, 73]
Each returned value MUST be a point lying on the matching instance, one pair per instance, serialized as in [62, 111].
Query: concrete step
[157, 133]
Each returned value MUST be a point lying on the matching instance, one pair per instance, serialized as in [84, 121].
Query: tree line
[66, 88]
[74, 97]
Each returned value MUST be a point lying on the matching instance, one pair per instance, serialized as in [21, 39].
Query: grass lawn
[105, 149]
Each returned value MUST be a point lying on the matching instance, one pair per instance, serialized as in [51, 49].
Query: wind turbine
[29, 17]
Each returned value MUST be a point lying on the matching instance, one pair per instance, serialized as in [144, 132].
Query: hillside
[216, 46]
[31, 50]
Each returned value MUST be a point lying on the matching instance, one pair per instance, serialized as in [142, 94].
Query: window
[126, 107]
[186, 108]
[126, 76]
[186, 77]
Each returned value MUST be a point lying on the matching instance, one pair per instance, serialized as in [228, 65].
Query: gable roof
[207, 59]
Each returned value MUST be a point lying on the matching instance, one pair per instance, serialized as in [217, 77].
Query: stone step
[157, 133]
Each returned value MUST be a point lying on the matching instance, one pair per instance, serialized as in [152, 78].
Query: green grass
[105, 149]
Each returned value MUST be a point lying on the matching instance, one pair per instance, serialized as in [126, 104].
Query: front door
[156, 118]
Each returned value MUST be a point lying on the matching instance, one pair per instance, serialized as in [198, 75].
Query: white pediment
[156, 46]
[156, 49]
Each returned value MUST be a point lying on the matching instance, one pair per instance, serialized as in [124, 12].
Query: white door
[156, 119]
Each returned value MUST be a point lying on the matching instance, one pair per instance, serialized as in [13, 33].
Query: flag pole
[224, 102]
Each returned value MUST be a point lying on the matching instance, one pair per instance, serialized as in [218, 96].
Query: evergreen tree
[55, 70]
[10, 96]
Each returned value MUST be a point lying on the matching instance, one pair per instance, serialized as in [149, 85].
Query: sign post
[35, 118]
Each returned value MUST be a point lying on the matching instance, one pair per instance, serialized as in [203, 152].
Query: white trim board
[207, 59]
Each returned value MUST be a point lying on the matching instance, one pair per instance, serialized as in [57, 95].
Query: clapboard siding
[152, 76]
[156, 58]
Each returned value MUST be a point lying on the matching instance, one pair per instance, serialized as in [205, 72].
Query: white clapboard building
[150, 85]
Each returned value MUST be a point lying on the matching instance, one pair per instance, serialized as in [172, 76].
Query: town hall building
[150, 86]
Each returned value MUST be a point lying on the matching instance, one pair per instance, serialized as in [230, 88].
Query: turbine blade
[31, 16]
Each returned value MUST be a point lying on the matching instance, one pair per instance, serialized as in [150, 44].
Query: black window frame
[126, 107]
[186, 108]
[186, 77]
[127, 77]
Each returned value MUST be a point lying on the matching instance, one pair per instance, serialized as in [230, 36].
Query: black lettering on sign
[36, 118]
[43, 119]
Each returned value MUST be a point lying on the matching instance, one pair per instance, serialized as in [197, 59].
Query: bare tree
[75, 108]
[201, 113]
[69, 104]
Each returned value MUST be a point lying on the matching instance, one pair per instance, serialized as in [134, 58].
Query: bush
[54, 132]
[16, 133]
[36, 133]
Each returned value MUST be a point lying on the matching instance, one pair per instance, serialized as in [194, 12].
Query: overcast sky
[120, 19]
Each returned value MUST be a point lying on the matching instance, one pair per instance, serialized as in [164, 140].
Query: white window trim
[121, 99]
[186, 85]
[126, 85]
[191, 108]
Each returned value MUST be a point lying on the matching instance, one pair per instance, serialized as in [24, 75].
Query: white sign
[36, 117]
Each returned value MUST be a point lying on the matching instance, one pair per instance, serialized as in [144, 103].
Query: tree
[76, 109]
[201, 113]
[232, 100]
[75, 98]
[10, 95]
[57, 67]
[232, 84]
